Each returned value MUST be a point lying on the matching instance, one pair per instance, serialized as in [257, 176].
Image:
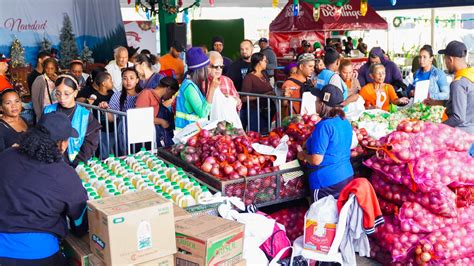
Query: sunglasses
[217, 66]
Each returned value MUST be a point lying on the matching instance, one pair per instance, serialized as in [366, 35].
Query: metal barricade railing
[110, 118]
[251, 110]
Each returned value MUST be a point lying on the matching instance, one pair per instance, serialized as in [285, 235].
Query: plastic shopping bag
[224, 108]
[320, 225]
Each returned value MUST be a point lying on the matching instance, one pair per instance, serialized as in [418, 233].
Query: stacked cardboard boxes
[207, 240]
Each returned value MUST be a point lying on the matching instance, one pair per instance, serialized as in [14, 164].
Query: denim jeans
[254, 114]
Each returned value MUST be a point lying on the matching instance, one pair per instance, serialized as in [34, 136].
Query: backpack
[276, 242]
[305, 87]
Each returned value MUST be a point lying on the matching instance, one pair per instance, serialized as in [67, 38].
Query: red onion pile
[441, 203]
[414, 139]
[366, 143]
[424, 169]
[292, 219]
[227, 154]
[414, 218]
[452, 243]
[390, 237]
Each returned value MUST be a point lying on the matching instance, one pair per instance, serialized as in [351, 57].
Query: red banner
[285, 44]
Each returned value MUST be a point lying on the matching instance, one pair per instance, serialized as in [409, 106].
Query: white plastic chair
[333, 255]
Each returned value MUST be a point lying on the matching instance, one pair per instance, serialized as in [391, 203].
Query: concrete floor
[364, 261]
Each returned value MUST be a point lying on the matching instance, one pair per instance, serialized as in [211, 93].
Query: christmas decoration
[363, 7]
[338, 4]
[316, 12]
[274, 3]
[152, 7]
[296, 8]
[45, 45]
[67, 43]
[86, 55]
[17, 53]
[337, 11]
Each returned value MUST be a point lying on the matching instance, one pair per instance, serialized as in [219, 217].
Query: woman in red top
[256, 81]
[164, 119]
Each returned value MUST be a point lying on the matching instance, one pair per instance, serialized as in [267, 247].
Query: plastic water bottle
[81, 171]
[196, 190]
[175, 193]
[187, 200]
[184, 180]
[205, 195]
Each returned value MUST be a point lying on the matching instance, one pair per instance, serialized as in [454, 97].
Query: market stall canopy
[351, 19]
[409, 4]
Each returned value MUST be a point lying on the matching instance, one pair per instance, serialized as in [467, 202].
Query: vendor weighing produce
[328, 149]
[38, 189]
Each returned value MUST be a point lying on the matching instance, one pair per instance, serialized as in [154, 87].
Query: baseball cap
[306, 57]
[3, 58]
[58, 125]
[329, 94]
[455, 48]
[263, 40]
[178, 46]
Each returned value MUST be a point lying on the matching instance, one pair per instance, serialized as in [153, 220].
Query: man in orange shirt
[4, 83]
[298, 83]
[173, 61]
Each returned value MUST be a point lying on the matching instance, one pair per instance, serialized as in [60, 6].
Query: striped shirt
[114, 102]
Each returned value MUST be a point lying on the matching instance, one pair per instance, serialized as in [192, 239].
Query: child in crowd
[377, 94]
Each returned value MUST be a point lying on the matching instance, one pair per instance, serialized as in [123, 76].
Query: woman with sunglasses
[12, 125]
[164, 119]
[82, 148]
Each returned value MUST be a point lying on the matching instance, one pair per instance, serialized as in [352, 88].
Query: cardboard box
[188, 260]
[209, 240]
[318, 241]
[131, 228]
[77, 250]
[242, 262]
[164, 261]
[180, 214]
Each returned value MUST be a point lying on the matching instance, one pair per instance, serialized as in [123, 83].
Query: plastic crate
[261, 190]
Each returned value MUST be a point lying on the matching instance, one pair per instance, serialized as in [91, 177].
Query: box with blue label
[131, 228]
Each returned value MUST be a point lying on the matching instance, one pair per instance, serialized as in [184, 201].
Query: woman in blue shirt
[439, 88]
[328, 149]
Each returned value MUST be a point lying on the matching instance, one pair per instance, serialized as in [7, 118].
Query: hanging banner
[96, 23]
[141, 34]
[285, 44]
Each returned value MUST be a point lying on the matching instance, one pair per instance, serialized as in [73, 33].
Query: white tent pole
[433, 29]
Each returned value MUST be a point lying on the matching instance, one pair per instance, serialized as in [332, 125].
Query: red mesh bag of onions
[451, 243]
[414, 139]
[390, 237]
[414, 218]
[443, 202]
[444, 168]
